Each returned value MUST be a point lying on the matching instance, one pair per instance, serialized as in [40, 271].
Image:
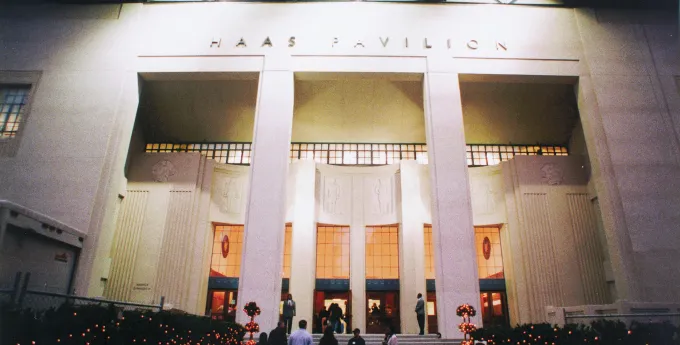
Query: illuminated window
[483, 155]
[286, 250]
[226, 253]
[332, 252]
[429, 253]
[489, 255]
[227, 153]
[359, 154]
[13, 99]
[382, 252]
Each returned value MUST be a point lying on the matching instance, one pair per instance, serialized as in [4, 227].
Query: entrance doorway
[333, 309]
[431, 310]
[494, 308]
[383, 312]
[222, 305]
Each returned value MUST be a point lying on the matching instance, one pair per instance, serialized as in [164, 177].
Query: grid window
[429, 253]
[226, 153]
[360, 154]
[483, 155]
[489, 254]
[287, 250]
[382, 252]
[226, 252]
[332, 252]
[13, 99]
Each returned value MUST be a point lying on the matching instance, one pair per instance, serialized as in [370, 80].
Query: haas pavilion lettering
[384, 42]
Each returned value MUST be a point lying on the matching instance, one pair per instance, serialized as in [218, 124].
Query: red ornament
[486, 248]
[225, 246]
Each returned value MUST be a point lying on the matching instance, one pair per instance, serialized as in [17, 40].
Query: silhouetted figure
[278, 335]
[328, 338]
[357, 339]
[263, 339]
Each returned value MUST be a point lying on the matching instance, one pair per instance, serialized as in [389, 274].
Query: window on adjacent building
[332, 252]
[489, 254]
[429, 253]
[226, 252]
[13, 100]
[382, 252]
[287, 250]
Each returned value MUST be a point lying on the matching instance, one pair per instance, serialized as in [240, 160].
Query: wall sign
[380, 42]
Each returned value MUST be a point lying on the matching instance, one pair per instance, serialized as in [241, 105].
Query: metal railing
[628, 318]
[20, 297]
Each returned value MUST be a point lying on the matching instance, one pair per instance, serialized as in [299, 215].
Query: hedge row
[94, 325]
[599, 332]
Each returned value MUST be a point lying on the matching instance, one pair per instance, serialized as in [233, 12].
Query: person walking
[323, 317]
[328, 338]
[420, 313]
[278, 335]
[301, 336]
[289, 312]
[357, 339]
[335, 313]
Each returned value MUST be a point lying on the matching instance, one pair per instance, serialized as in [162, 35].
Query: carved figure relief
[382, 197]
[230, 196]
[552, 174]
[163, 170]
[489, 204]
[331, 196]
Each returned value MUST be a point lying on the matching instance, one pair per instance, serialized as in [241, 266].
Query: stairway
[404, 339]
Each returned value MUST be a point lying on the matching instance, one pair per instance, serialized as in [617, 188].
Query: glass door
[383, 312]
[431, 310]
[494, 308]
[332, 309]
[222, 305]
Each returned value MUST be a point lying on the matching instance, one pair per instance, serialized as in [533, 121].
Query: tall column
[262, 258]
[457, 281]
[411, 246]
[303, 246]
[357, 254]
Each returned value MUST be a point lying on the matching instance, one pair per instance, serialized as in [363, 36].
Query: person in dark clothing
[289, 312]
[278, 335]
[357, 339]
[328, 338]
[323, 317]
[333, 316]
[420, 313]
[263, 339]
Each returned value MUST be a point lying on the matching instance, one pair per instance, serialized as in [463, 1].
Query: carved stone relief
[552, 174]
[163, 170]
[332, 195]
[382, 199]
[229, 194]
[487, 194]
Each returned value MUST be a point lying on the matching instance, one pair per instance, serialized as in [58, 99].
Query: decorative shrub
[94, 325]
[600, 332]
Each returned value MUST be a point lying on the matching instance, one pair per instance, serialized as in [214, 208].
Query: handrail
[619, 315]
[90, 299]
